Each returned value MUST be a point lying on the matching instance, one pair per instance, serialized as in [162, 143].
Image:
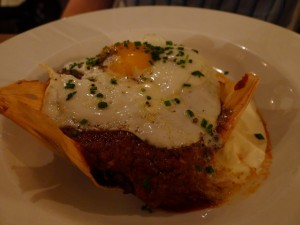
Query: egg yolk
[130, 60]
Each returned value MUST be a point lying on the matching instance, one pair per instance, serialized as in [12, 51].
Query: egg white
[147, 105]
[130, 107]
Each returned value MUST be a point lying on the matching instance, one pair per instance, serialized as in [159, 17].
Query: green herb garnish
[186, 85]
[209, 169]
[83, 122]
[71, 95]
[125, 43]
[99, 95]
[113, 81]
[209, 129]
[167, 103]
[73, 65]
[93, 61]
[197, 73]
[70, 85]
[190, 113]
[177, 100]
[180, 53]
[93, 89]
[181, 62]
[259, 136]
[137, 43]
[74, 73]
[204, 123]
[102, 105]
[169, 43]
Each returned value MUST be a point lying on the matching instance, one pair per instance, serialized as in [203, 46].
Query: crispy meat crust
[174, 179]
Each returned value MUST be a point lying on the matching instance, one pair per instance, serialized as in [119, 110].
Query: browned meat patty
[173, 179]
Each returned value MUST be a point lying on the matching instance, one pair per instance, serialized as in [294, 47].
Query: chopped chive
[113, 81]
[74, 73]
[93, 89]
[209, 169]
[197, 73]
[125, 43]
[137, 43]
[143, 89]
[186, 85]
[180, 53]
[70, 85]
[204, 123]
[226, 72]
[209, 129]
[99, 95]
[83, 122]
[169, 43]
[71, 95]
[190, 113]
[143, 78]
[63, 70]
[259, 136]
[102, 105]
[90, 62]
[167, 103]
[195, 50]
[73, 65]
[180, 62]
[177, 100]
[155, 56]
[148, 97]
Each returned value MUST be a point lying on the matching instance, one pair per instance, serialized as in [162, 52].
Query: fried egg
[164, 93]
[160, 93]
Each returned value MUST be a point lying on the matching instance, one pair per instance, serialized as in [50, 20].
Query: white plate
[39, 188]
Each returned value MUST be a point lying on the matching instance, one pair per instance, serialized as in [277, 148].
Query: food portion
[152, 118]
[155, 92]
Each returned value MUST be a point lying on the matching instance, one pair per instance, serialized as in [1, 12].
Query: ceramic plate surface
[37, 187]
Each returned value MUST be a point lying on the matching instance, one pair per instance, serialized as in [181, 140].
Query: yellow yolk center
[130, 60]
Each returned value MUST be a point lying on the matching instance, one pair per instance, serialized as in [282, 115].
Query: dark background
[32, 13]
[29, 14]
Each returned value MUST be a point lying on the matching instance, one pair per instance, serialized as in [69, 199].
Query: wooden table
[4, 37]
